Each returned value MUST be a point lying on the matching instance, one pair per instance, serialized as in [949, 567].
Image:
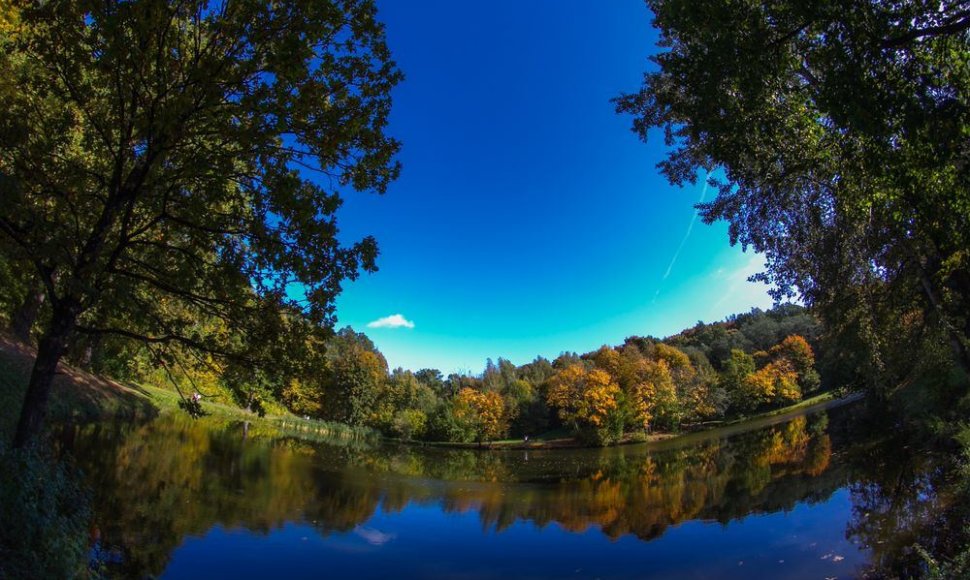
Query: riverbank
[556, 439]
[78, 396]
[82, 397]
[75, 394]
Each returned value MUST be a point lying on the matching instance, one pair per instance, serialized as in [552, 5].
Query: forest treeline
[152, 224]
[748, 363]
[751, 362]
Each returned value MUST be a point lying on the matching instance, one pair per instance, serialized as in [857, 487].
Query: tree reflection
[904, 502]
[158, 483]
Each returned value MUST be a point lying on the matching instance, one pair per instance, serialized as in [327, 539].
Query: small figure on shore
[526, 438]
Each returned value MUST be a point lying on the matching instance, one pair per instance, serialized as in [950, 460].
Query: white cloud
[392, 321]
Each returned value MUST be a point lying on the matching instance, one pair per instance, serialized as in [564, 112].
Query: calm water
[809, 497]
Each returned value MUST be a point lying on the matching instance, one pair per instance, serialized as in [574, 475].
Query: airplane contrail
[690, 228]
[683, 241]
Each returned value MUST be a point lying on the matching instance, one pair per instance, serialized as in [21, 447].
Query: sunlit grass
[77, 396]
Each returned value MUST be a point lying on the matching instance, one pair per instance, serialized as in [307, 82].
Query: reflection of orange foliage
[656, 491]
[266, 482]
[789, 444]
[589, 501]
[819, 455]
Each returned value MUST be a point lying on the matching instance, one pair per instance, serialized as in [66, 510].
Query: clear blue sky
[528, 219]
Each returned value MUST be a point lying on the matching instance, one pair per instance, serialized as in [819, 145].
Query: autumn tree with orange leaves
[484, 411]
[788, 371]
[588, 401]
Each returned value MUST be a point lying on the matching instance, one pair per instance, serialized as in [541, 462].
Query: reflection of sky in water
[424, 541]
[191, 499]
[374, 537]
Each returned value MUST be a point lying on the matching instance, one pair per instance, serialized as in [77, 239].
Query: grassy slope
[74, 395]
[80, 396]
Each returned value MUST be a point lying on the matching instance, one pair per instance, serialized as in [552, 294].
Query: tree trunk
[962, 282]
[23, 319]
[960, 353]
[52, 347]
[90, 351]
[87, 355]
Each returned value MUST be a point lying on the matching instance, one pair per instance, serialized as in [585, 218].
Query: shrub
[45, 513]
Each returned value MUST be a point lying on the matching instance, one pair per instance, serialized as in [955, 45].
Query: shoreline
[82, 397]
[820, 402]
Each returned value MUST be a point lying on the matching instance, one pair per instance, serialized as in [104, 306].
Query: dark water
[809, 497]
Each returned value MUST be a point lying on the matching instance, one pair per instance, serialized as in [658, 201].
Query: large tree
[841, 132]
[177, 160]
[355, 374]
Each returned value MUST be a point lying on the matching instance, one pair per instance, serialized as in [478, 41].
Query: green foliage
[12, 287]
[840, 131]
[757, 330]
[402, 406]
[355, 374]
[150, 154]
[445, 426]
[45, 513]
[957, 567]
[736, 369]
[300, 398]
[962, 437]
[193, 408]
[409, 424]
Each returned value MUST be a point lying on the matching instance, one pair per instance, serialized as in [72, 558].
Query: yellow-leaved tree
[484, 411]
[796, 351]
[776, 382]
[587, 401]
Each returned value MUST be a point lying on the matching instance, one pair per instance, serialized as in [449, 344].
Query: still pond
[819, 495]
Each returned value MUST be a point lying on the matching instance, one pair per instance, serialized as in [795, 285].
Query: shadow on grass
[75, 395]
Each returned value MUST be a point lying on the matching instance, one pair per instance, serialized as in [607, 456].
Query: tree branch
[957, 23]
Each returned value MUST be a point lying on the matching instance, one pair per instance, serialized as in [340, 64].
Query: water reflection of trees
[644, 494]
[158, 483]
[903, 497]
[172, 478]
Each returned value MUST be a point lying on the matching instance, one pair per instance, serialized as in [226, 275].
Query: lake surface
[813, 496]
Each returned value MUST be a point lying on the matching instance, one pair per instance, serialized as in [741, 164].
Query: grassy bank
[75, 395]
[78, 396]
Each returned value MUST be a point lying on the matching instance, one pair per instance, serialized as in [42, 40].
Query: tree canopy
[184, 161]
[838, 137]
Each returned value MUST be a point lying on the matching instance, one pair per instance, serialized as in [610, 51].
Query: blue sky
[528, 219]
